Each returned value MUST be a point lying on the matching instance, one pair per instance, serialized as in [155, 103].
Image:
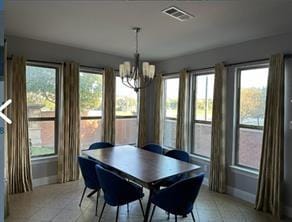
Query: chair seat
[170, 208]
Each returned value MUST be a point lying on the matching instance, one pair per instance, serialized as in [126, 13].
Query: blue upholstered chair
[179, 198]
[100, 145]
[155, 148]
[91, 181]
[179, 155]
[117, 190]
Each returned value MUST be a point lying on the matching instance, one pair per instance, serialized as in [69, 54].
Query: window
[202, 114]
[90, 87]
[252, 87]
[41, 108]
[171, 86]
[126, 114]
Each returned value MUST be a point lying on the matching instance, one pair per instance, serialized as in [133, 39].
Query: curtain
[69, 124]
[217, 177]
[19, 167]
[158, 110]
[271, 169]
[6, 196]
[109, 105]
[181, 123]
[142, 124]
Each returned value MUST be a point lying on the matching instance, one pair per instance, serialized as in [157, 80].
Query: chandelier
[133, 77]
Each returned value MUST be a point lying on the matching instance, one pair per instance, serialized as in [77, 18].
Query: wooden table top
[144, 166]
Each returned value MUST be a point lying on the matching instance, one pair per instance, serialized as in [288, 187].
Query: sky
[254, 78]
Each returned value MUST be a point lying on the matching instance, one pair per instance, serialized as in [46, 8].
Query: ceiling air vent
[177, 13]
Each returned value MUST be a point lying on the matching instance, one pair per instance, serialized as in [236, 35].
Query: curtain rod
[60, 63]
[226, 65]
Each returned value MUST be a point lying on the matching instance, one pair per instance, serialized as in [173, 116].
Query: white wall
[251, 50]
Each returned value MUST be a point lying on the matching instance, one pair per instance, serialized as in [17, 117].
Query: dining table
[140, 166]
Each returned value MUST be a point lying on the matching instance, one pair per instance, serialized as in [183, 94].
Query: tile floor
[59, 203]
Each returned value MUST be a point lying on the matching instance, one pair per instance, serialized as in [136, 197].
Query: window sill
[244, 171]
[45, 159]
[200, 158]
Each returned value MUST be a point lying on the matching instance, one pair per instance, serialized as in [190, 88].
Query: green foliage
[252, 103]
[126, 106]
[40, 85]
[90, 92]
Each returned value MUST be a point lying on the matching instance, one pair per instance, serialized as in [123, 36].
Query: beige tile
[67, 216]
[45, 214]
[59, 202]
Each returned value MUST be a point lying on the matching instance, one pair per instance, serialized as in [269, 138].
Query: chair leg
[101, 212]
[117, 216]
[193, 216]
[141, 207]
[153, 210]
[168, 215]
[82, 196]
[128, 208]
[96, 205]
[175, 218]
[91, 193]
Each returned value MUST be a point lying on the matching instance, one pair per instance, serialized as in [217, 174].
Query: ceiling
[104, 26]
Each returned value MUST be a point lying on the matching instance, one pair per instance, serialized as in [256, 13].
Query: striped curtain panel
[217, 177]
[158, 110]
[19, 167]
[109, 106]
[268, 197]
[69, 124]
[142, 124]
[181, 124]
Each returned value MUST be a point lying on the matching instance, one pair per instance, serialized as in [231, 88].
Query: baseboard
[243, 195]
[206, 181]
[288, 211]
[44, 181]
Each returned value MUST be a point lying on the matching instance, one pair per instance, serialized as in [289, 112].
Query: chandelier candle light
[133, 77]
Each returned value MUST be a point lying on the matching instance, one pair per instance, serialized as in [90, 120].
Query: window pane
[41, 137]
[171, 97]
[204, 97]
[90, 94]
[202, 139]
[169, 133]
[90, 132]
[41, 88]
[253, 87]
[126, 131]
[126, 99]
[250, 147]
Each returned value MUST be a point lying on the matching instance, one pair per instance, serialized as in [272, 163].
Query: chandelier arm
[127, 83]
[149, 81]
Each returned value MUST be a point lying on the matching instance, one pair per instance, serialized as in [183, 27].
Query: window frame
[164, 78]
[193, 120]
[238, 125]
[91, 71]
[127, 116]
[44, 119]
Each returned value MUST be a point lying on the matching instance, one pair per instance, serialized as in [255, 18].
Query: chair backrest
[180, 197]
[99, 145]
[155, 148]
[87, 167]
[179, 155]
[113, 186]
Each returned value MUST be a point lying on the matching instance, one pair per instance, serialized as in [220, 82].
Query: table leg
[147, 212]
